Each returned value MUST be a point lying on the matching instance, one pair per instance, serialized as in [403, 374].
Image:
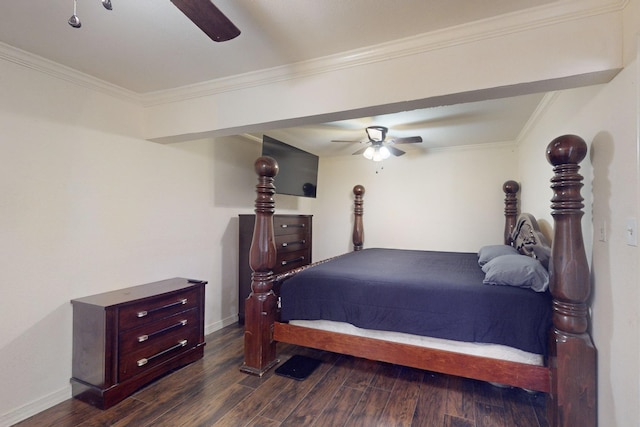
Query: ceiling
[493, 121]
[149, 46]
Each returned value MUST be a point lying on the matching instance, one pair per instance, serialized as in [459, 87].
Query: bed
[555, 356]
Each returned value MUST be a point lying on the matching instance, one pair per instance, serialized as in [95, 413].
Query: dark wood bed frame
[569, 375]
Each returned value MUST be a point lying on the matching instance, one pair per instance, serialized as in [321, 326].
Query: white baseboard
[215, 326]
[46, 402]
[32, 408]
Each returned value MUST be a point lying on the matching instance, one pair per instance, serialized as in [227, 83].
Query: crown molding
[538, 17]
[53, 69]
[547, 101]
[471, 147]
[555, 13]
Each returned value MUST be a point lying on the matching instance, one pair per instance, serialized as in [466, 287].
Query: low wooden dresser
[124, 339]
[292, 234]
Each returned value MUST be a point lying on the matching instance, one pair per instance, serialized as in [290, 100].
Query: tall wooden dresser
[124, 339]
[293, 244]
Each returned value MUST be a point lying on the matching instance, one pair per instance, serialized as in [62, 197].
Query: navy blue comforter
[436, 294]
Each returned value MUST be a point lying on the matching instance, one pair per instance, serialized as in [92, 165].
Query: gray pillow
[516, 270]
[487, 253]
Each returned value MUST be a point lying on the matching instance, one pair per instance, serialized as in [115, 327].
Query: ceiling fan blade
[208, 18]
[396, 152]
[349, 141]
[409, 140]
[362, 150]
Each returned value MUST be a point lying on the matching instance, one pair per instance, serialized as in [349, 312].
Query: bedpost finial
[266, 166]
[566, 149]
[510, 187]
[358, 211]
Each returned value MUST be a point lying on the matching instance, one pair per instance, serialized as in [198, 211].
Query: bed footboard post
[260, 306]
[510, 189]
[572, 355]
[358, 227]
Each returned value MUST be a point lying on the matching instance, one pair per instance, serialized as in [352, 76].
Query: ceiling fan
[208, 18]
[378, 146]
[203, 13]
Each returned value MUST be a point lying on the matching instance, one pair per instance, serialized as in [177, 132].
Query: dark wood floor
[342, 391]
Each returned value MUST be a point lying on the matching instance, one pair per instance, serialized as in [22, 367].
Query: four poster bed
[486, 316]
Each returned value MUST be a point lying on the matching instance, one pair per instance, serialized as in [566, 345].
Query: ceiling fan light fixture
[368, 153]
[377, 148]
[380, 154]
[74, 21]
[376, 133]
[377, 154]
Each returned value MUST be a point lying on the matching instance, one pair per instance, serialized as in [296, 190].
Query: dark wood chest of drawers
[292, 234]
[124, 339]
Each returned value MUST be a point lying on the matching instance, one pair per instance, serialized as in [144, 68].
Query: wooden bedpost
[260, 306]
[510, 189]
[358, 228]
[572, 355]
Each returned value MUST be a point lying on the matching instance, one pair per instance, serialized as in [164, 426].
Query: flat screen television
[297, 169]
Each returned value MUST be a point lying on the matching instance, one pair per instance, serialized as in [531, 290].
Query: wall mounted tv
[298, 169]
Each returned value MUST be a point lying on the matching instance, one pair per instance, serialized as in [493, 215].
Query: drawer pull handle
[292, 225]
[291, 261]
[299, 242]
[143, 338]
[144, 313]
[146, 360]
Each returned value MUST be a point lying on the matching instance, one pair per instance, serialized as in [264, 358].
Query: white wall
[605, 116]
[87, 207]
[418, 201]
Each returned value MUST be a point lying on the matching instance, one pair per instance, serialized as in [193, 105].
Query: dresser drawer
[292, 242]
[286, 261]
[290, 225]
[157, 351]
[150, 333]
[146, 311]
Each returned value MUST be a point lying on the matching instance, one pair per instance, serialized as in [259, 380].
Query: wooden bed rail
[572, 355]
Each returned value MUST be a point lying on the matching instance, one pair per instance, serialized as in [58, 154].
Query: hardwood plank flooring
[342, 391]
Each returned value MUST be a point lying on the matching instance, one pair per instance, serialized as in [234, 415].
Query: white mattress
[494, 351]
